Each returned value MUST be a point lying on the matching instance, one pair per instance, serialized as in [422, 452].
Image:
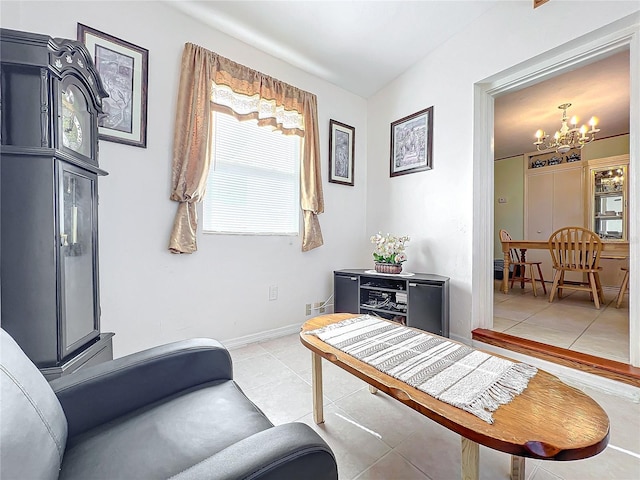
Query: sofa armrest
[291, 450]
[97, 394]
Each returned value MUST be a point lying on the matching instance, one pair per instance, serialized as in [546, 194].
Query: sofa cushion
[34, 428]
[167, 437]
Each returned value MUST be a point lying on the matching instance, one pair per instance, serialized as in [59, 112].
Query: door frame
[618, 36]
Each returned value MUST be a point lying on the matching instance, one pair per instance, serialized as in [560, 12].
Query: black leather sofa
[168, 412]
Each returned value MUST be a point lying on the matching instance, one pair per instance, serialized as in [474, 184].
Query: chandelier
[567, 137]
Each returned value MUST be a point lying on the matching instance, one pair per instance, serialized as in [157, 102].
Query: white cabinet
[554, 198]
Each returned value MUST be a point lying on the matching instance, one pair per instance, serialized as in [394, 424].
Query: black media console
[419, 300]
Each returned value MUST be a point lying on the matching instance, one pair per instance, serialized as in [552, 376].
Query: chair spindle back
[575, 248]
[514, 255]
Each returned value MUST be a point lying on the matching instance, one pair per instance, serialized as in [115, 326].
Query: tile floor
[572, 322]
[376, 437]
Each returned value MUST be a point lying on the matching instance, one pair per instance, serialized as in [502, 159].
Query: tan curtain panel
[211, 82]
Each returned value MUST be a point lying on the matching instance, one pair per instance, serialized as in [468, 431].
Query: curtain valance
[211, 82]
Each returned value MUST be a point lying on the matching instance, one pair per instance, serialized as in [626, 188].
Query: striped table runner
[451, 372]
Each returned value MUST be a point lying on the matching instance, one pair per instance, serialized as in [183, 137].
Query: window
[253, 185]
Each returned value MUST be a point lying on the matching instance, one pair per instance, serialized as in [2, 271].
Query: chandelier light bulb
[574, 121]
[539, 134]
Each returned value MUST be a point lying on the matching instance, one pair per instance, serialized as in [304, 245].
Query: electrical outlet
[308, 309]
[321, 309]
[273, 292]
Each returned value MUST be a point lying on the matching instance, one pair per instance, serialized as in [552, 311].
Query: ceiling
[362, 46]
[600, 89]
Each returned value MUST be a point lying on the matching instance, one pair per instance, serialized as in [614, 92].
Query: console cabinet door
[426, 308]
[345, 291]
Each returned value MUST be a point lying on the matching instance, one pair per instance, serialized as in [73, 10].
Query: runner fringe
[503, 391]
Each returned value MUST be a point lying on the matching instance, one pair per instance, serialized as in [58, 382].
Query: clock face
[75, 121]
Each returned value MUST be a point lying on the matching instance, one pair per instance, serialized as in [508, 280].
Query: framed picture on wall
[123, 69]
[341, 152]
[411, 143]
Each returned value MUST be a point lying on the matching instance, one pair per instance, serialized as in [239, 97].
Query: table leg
[373, 389]
[517, 468]
[505, 273]
[316, 385]
[523, 258]
[470, 460]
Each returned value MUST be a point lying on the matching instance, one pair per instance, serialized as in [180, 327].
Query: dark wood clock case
[50, 102]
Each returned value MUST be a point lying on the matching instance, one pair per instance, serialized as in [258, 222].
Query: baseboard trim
[245, 340]
[239, 342]
[612, 370]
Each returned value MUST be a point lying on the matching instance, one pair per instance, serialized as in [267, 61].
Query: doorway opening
[539, 192]
[618, 37]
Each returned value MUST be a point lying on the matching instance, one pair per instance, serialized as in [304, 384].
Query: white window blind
[254, 183]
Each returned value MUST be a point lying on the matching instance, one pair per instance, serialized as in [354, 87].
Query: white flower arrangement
[389, 248]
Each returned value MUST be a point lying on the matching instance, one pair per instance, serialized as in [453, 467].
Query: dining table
[617, 250]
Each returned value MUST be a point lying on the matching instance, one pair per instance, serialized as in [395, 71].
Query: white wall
[509, 215]
[150, 296]
[436, 207]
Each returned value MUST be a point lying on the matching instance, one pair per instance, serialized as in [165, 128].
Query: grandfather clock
[50, 100]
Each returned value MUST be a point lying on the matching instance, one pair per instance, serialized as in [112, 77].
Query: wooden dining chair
[521, 267]
[623, 287]
[576, 249]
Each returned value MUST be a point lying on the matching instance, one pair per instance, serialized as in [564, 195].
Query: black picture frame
[123, 69]
[412, 143]
[342, 152]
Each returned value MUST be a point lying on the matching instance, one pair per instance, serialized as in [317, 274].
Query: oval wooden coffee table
[549, 420]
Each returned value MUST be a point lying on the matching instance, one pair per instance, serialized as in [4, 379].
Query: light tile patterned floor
[572, 322]
[376, 437]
